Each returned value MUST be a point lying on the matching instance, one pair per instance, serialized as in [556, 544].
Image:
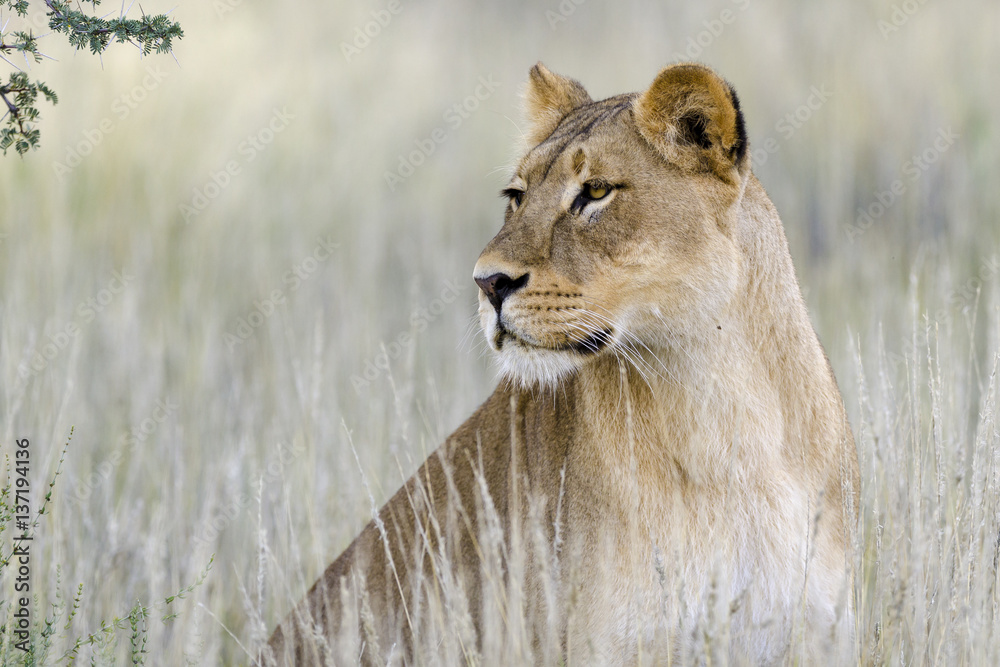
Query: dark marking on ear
[693, 129]
[739, 149]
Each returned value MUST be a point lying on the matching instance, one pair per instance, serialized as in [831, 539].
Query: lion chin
[526, 364]
[530, 367]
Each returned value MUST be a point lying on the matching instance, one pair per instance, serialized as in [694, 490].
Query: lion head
[619, 231]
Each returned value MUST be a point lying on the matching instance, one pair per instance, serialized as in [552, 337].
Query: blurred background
[226, 267]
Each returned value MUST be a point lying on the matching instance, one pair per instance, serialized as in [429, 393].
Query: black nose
[499, 286]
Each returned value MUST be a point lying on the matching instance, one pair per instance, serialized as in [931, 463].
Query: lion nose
[499, 286]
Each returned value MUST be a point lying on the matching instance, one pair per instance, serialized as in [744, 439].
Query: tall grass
[188, 444]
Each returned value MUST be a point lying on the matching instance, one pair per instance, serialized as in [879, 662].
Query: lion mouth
[592, 344]
[504, 335]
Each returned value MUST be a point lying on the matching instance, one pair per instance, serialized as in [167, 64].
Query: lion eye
[595, 191]
[516, 199]
[590, 192]
[515, 196]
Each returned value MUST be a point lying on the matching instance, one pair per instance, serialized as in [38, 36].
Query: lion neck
[669, 414]
[693, 409]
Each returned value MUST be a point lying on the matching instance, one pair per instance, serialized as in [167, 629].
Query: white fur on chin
[529, 367]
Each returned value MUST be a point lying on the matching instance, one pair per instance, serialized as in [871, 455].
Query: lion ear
[692, 117]
[549, 98]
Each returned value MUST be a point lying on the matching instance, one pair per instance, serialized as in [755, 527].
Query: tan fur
[665, 400]
[549, 98]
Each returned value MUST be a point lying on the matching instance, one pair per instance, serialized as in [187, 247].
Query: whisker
[640, 365]
[632, 353]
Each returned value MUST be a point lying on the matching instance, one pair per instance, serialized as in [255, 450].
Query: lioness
[666, 469]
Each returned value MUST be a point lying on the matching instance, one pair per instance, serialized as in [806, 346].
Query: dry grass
[250, 444]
